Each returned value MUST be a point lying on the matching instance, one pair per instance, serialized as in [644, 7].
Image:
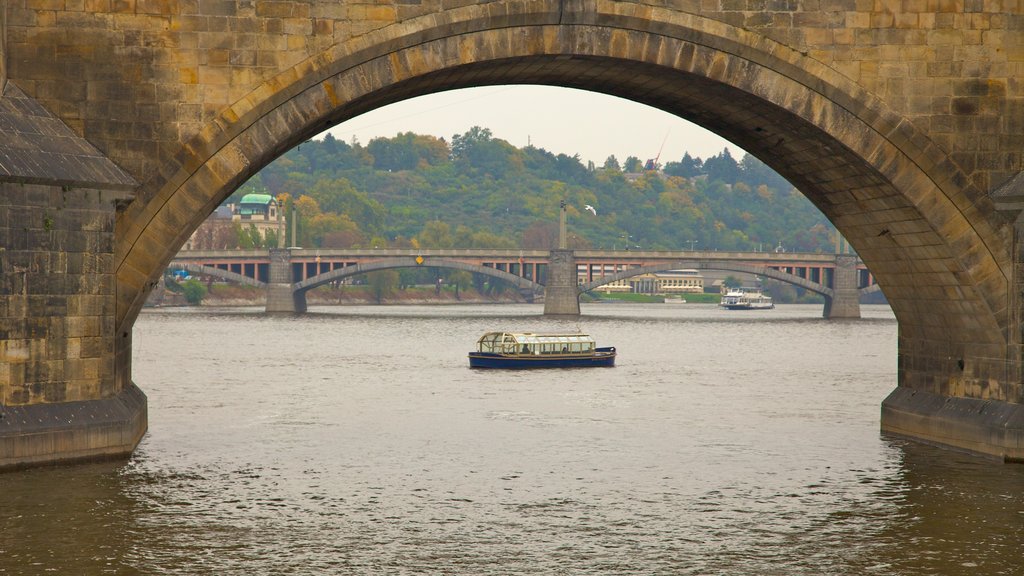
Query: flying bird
[590, 209]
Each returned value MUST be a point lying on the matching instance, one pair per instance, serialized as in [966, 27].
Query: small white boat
[745, 299]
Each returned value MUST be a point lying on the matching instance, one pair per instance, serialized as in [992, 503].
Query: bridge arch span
[523, 284]
[765, 271]
[218, 273]
[925, 230]
[873, 288]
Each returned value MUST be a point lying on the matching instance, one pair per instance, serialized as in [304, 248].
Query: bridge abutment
[561, 296]
[845, 302]
[281, 297]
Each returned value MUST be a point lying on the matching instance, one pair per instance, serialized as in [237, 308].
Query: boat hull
[602, 357]
[747, 306]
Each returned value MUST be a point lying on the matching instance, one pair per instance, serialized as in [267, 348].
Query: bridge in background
[528, 270]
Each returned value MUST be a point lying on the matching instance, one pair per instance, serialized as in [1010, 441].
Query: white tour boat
[745, 299]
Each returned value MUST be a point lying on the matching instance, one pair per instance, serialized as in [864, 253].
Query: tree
[330, 144]
[611, 163]
[407, 151]
[755, 173]
[306, 208]
[722, 168]
[461, 279]
[540, 236]
[216, 234]
[480, 154]
[688, 167]
[463, 145]
[343, 233]
[436, 234]
[339, 196]
[249, 237]
[329, 230]
[194, 291]
[634, 165]
[382, 283]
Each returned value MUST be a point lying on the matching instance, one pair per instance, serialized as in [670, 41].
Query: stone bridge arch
[891, 191]
[925, 228]
[765, 271]
[524, 285]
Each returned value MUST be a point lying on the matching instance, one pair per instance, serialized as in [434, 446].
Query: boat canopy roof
[532, 338]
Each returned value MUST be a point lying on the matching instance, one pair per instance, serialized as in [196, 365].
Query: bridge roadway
[525, 269]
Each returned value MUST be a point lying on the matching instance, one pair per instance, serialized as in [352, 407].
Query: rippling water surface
[357, 441]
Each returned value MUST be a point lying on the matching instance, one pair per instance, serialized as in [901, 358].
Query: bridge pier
[561, 296]
[963, 394]
[65, 387]
[281, 298]
[845, 303]
[65, 373]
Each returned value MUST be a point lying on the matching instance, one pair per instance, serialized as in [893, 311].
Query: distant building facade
[259, 211]
[659, 283]
[220, 230]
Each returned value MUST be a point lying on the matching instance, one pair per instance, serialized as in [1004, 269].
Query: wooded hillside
[478, 191]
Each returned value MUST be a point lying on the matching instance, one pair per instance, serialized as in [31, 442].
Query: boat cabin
[520, 343]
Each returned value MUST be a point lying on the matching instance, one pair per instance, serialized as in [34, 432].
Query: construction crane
[652, 164]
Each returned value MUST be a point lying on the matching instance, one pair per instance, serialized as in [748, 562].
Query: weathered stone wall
[57, 288]
[141, 77]
[3, 44]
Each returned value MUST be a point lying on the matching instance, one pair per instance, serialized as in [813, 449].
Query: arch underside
[723, 265]
[523, 284]
[930, 239]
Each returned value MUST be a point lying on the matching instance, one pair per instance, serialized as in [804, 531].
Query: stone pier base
[983, 427]
[281, 299]
[846, 300]
[67, 432]
[561, 296]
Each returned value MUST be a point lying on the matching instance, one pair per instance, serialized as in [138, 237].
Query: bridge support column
[65, 373]
[561, 296]
[960, 394]
[846, 300]
[280, 296]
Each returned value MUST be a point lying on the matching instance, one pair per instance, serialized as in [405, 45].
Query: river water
[355, 440]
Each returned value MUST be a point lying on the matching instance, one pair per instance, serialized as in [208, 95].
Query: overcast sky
[560, 120]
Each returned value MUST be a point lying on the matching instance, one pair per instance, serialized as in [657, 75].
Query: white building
[667, 282]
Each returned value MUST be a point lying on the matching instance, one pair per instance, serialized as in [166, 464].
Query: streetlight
[692, 242]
